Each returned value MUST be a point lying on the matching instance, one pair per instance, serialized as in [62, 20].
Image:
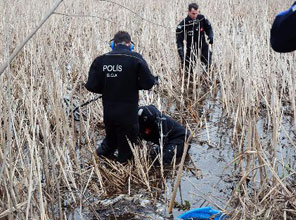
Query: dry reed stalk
[140, 166]
[99, 175]
[275, 175]
[259, 150]
[39, 141]
[206, 198]
[179, 174]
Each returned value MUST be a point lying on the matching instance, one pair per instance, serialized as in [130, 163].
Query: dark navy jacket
[283, 31]
[151, 121]
[193, 30]
[118, 76]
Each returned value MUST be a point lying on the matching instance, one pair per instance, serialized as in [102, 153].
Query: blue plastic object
[205, 213]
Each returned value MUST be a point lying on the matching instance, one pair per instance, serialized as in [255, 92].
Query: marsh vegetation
[48, 165]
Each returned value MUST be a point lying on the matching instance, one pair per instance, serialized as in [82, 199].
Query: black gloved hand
[211, 40]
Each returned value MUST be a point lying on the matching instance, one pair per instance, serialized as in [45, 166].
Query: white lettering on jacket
[111, 75]
[112, 68]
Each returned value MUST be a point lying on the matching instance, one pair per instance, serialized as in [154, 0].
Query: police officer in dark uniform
[118, 76]
[193, 30]
[283, 31]
[152, 123]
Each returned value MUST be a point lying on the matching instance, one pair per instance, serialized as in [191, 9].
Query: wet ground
[212, 154]
[210, 185]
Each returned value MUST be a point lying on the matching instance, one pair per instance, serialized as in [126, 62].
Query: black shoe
[124, 158]
[105, 151]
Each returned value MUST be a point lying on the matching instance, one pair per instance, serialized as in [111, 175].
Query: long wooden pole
[20, 47]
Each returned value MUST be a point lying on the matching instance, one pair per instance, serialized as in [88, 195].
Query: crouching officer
[118, 76]
[152, 123]
[283, 31]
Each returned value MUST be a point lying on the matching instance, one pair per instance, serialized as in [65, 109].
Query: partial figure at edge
[283, 31]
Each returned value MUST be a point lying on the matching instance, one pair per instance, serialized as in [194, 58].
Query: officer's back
[118, 75]
[121, 68]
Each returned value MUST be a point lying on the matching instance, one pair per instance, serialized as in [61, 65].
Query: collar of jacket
[121, 46]
[195, 21]
[188, 19]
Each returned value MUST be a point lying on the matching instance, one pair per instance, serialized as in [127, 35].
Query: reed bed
[48, 162]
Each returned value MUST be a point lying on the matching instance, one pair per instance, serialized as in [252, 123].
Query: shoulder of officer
[99, 58]
[136, 55]
[129, 54]
[180, 26]
[205, 20]
[200, 17]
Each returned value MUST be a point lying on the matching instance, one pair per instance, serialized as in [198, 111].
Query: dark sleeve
[145, 78]
[209, 31]
[173, 130]
[95, 82]
[180, 39]
[283, 31]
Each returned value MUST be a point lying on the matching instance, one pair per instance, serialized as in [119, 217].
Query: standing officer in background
[283, 31]
[118, 76]
[192, 30]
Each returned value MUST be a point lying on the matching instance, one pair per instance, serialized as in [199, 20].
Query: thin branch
[82, 15]
[20, 47]
[135, 13]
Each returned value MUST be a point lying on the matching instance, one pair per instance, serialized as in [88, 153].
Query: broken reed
[48, 161]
